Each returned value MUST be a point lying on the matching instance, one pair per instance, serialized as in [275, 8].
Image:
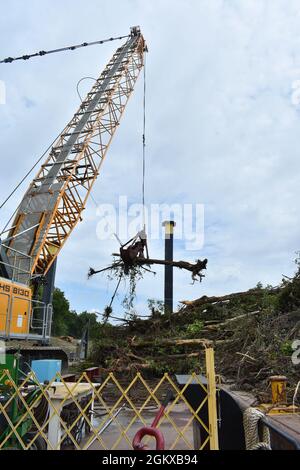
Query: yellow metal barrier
[105, 416]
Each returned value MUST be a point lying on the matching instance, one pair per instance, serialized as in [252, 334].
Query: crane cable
[27, 174]
[9, 60]
[115, 291]
[143, 171]
[20, 183]
[144, 145]
[78, 83]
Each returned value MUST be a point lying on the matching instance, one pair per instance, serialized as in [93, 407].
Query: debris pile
[251, 332]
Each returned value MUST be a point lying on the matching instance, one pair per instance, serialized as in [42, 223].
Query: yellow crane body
[15, 308]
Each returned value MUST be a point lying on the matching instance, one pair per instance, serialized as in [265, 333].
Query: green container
[12, 365]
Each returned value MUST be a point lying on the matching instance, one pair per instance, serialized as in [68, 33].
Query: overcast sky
[223, 120]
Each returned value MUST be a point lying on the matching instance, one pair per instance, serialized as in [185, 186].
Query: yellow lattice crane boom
[55, 199]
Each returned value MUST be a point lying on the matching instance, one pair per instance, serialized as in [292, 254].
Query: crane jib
[66, 149]
[58, 193]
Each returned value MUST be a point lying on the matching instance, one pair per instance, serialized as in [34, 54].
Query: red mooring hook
[152, 430]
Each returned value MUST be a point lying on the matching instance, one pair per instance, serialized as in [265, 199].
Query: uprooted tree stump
[130, 262]
[195, 268]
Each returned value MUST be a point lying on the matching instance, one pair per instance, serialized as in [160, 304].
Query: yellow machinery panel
[4, 308]
[15, 308]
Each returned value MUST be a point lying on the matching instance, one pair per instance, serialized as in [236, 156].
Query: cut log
[211, 300]
[166, 356]
[144, 365]
[230, 320]
[134, 366]
[171, 342]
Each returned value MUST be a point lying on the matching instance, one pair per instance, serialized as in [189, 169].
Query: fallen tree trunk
[132, 366]
[206, 343]
[230, 320]
[149, 365]
[215, 300]
[224, 341]
[171, 342]
[166, 356]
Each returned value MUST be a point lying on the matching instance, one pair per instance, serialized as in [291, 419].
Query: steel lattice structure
[54, 202]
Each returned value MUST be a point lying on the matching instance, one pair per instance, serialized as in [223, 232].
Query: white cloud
[295, 98]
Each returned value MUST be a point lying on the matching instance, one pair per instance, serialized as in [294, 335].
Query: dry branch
[246, 356]
[166, 356]
[171, 342]
[230, 320]
[224, 298]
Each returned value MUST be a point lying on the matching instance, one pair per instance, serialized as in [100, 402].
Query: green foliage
[216, 312]
[83, 320]
[194, 328]
[286, 348]
[156, 307]
[67, 322]
[107, 313]
[62, 316]
[81, 366]
[134, 275]
[160, 368]
[109, 339]
[289, 297]
[270, 301]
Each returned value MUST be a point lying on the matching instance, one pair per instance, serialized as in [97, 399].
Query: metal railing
[17, 263]
[41, 318]
[103, 416]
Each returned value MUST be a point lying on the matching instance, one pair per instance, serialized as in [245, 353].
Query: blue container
[46, 369]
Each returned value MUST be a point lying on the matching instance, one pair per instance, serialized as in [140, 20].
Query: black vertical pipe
[47, 296]
[49, 285]
[169, 229]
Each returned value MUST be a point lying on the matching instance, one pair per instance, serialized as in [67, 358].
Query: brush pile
[254, 334]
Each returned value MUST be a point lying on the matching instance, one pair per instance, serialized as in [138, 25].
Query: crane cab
[15, 309]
